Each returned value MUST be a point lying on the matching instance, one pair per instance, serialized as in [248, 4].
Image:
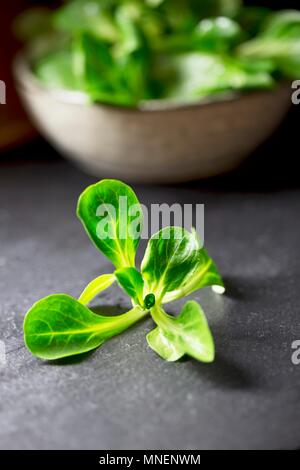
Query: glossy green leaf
[175, 265]
[188, 333]
[130, 279]
[95, 287]
[112, 217]
[203, 273]
[169, 256]
[59, 326]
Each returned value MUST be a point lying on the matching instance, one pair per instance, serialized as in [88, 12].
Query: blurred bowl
[159, 142]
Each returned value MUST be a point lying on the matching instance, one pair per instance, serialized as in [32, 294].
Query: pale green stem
[95, 287]
[126, 320]
[160, 317]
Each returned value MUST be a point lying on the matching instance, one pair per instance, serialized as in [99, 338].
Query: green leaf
[285, 54]
[279, 41]
[59, 326]
[94, 17]
[95, 287]
[189, 334]
[217, 34]
[282, 24]
[98, 72]
[130, 279]
[175, 265]
[183, 15]
[112, 216]
[211, 35]
[169, 256]
[56, 71]
[198, 75]
[203, 273]
[132, 53]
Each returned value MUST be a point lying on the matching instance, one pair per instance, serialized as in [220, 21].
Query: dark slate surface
[123, 395]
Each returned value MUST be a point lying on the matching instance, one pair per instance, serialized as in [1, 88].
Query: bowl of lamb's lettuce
[158, 90]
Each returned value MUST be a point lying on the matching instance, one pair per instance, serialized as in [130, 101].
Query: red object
[14, 126]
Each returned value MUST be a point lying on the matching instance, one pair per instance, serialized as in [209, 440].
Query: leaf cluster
[128, 51]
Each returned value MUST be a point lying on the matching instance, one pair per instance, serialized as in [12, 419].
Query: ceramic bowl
[158, 142]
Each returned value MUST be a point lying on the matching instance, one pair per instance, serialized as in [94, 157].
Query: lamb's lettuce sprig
[174, 265]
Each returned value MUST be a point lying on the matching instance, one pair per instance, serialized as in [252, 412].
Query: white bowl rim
[24, 76]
